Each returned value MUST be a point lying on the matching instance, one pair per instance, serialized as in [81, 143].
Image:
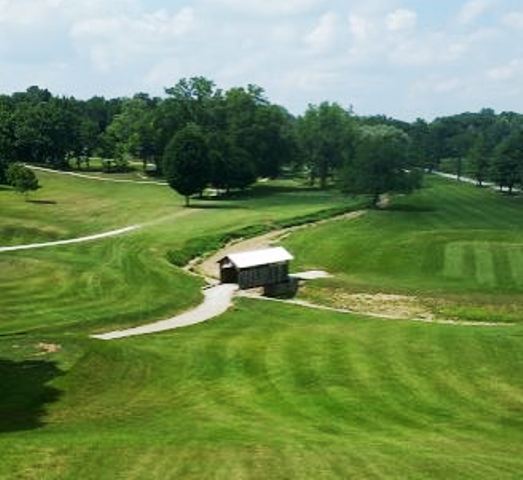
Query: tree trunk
[187, 200]
[376, 200]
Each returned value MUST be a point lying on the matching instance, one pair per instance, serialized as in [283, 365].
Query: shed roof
[259, 257]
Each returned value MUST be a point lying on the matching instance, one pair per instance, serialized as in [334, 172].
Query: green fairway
[268, 391]
[458, 247]
[125, 280]
[68, 207]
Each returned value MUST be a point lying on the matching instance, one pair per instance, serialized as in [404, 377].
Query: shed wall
[263, 275]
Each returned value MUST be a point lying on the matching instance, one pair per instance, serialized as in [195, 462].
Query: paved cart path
[100, 179]
[472, 181]
[89, 238]
[217, 300]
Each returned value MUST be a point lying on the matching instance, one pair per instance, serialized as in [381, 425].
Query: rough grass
[459, 246]
[270, 391]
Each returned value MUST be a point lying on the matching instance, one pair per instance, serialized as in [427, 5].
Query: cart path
[99, 179]
[217, 300]
[89, 238]
[208, 267]
[472, 181]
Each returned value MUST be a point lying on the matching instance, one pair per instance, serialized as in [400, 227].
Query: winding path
[89, 238]
[217, 300]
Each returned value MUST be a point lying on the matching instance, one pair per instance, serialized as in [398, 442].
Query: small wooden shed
[259, 268]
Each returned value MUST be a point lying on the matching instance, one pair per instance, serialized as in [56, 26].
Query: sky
[401, 58]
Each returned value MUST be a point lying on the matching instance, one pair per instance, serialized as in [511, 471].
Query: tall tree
[186, 162]
[479, 157]
[326, 133]
[380, 163]
[507, 167]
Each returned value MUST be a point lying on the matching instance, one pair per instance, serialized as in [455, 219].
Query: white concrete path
[217, 300]
[89, 238]
[100, 179]
[472, 181]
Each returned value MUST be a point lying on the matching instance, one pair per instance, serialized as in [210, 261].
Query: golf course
[268, 389]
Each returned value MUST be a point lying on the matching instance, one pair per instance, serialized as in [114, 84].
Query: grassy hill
[267, 390]
[457, 247]
[125, 280]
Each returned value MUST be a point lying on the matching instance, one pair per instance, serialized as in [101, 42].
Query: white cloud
[324, 34]
[27, 12]
[271, 7]
[473, 9]
[360, 27]
[114, 41]
[506, 72]
[401, 19]
[514, 20]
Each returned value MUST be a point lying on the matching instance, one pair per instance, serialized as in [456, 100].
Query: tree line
[198, 136]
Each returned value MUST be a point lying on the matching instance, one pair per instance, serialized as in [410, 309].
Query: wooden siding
[263, 275]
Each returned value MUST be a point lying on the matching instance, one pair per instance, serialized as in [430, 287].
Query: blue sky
[404, 58]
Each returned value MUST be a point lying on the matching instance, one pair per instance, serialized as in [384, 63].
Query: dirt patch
[46, 348]
[384, 200]
[208, 266]
[386, 305]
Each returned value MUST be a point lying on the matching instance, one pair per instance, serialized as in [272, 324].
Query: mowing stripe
[515, 256]
[454, 260]
[485, 274]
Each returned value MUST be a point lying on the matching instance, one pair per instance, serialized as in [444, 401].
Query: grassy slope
[68, 207]
[269, 391]
[455, 242]
[125, 280]
[266, 391]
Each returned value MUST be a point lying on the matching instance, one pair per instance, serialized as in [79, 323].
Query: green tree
[186, 162]
[21, 178]
[326, 134]
[479, 158]
[507, 167]
[380, 163]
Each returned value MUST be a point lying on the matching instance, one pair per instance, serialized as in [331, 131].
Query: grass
[268, 391]
[68, 207]
[459, 247]
[126, 280]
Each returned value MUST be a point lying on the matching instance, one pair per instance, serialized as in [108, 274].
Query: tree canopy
[380, 163]
[186, 162]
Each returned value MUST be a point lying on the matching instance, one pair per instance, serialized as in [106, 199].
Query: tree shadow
[410, 208]
[25, 393]
[214, 206]
[5, 188]
[43, 202]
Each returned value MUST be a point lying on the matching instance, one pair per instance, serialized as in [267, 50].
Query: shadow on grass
[410, 208]
[5, 188]
[25, 393]
[214, 206]
[43, 202]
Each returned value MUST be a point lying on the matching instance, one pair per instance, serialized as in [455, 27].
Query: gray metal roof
[259, 257]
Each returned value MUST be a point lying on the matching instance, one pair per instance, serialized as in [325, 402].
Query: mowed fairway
[126, 280]
[458, 247]
[268, 391]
